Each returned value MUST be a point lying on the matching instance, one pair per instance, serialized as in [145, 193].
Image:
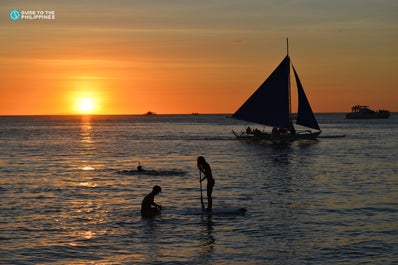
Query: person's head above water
[201, 160]
[157, 189]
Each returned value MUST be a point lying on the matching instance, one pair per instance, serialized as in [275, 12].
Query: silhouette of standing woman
[204, 167]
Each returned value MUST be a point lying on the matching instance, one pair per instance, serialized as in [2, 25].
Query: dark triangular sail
[305, 116]
[269, 104]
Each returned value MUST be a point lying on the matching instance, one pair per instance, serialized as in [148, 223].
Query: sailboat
[270, 105]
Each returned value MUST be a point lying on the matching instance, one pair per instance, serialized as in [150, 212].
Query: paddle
[201, 194]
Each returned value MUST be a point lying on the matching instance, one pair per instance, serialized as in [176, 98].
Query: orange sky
[129, 57]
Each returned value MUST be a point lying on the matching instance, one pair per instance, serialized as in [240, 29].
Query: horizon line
[143, 114]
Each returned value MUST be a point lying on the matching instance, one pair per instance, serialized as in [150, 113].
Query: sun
[85, 95]
[86, 105]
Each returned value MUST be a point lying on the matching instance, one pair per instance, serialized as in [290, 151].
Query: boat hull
[360, 116]
[284, 137]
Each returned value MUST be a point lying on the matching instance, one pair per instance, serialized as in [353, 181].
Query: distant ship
[363, 112]
[150, 113]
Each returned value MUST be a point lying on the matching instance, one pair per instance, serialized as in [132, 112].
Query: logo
[15, 14]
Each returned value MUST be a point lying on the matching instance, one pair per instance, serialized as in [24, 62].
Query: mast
[287, 46]
[288, 82]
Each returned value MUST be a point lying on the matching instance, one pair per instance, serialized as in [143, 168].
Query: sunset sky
[184, 56]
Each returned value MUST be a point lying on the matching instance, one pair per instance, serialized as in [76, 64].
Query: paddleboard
[332, 136]
[152, 172]
[222, 211]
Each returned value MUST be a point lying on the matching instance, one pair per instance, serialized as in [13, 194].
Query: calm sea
[64, 200]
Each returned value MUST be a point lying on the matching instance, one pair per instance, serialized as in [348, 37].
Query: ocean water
[65, 199]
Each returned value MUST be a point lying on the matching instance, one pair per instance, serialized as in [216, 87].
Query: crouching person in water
[146, 206]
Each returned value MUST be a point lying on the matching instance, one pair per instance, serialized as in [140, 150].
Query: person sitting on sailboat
[291, 128]
[256, 131]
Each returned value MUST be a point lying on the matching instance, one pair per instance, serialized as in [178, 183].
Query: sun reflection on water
[87, 144]
[87, 168]
[88, 184]
[86, 131]
[87, 234]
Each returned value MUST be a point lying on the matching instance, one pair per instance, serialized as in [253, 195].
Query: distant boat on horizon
[364, 112]
[270, 105]
[150, 113]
